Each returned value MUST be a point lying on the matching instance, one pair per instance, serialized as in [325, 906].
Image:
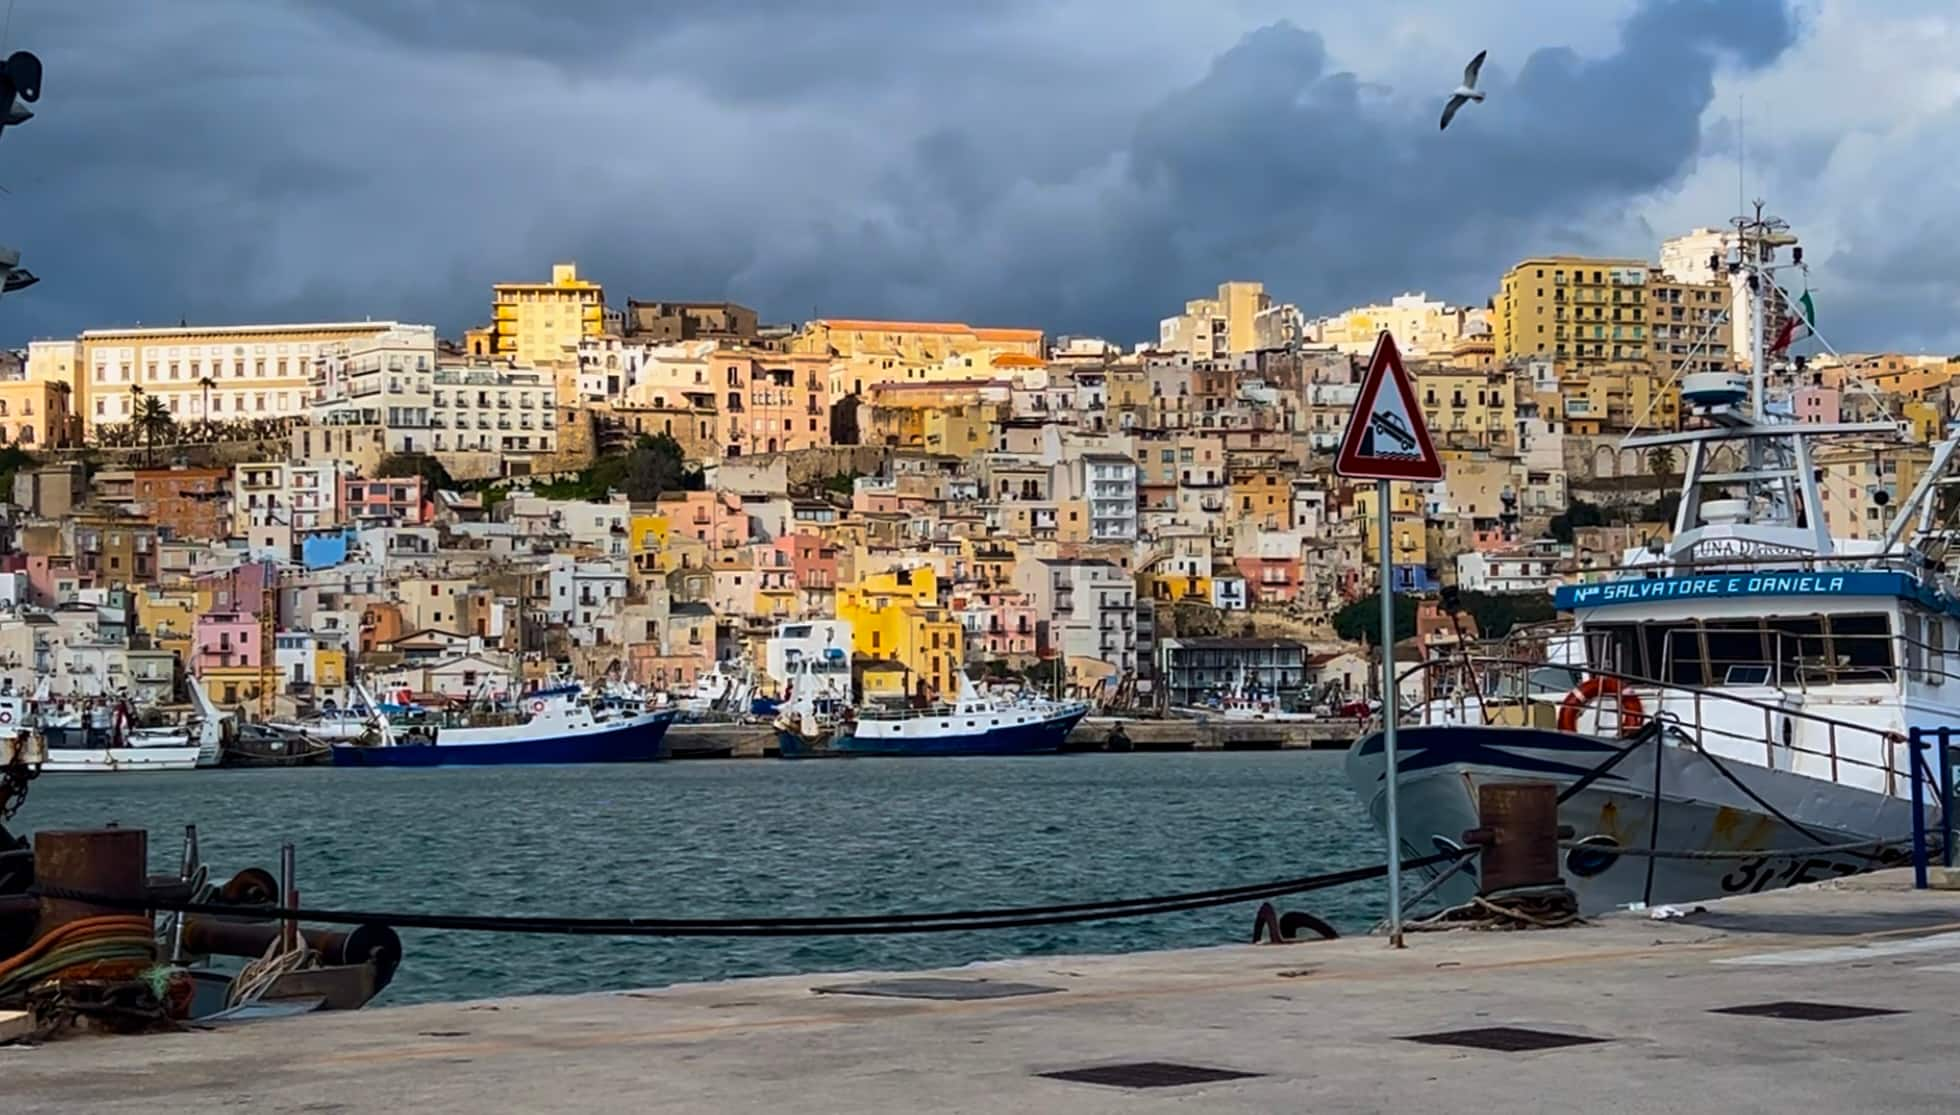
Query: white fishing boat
[1745, 690]
[1244, 702]
[93, 735]
[1023, 723]
[561, 725]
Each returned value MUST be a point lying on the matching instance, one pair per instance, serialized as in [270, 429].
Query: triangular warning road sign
[1386, 438]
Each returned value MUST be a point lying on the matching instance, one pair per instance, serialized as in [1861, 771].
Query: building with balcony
[187, 503]
[1194, 672]
[1586, 313]
[539, 324]
[221, 373]
[401, 501]
[492, 410]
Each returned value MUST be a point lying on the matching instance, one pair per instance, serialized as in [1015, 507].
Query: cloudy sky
[1080, 165]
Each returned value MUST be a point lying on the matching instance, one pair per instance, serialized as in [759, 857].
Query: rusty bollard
[1518, 833]
[113, 862]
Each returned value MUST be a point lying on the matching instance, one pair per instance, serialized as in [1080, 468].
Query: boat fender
[1632, 713]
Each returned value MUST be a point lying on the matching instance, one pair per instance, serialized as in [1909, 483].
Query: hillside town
[660, 492]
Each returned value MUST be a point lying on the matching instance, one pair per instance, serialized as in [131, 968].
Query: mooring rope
[1010, 917]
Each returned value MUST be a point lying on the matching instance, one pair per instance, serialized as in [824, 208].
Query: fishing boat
[975, 724]
[551, 726]
[1243, 702]
[331, 725]
[1742, 693]
[93, 735]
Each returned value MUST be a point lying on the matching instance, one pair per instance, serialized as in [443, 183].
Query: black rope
[878, 924]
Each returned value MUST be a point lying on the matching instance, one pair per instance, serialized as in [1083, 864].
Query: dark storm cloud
[234, 160]
[1276, 165]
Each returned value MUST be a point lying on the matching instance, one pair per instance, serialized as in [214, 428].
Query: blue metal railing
[1941, 739]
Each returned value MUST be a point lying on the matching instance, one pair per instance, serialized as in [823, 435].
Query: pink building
[1816, 403]
[1000, 624]
[239, 589]
[713, 518]
[226, 640]
[812, 559]
[401, 501]
[1270, 580]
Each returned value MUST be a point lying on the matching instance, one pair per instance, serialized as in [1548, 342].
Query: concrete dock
[1625, 1014]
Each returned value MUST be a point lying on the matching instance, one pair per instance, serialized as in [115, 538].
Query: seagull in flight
[1468, 91]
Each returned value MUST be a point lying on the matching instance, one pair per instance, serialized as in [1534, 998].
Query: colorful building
[896, 615]
[540, 324]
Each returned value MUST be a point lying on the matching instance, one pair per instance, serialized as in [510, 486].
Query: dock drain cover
[1505, 1039]
[928, 987]
[1148, 1074]
[1808, 1012]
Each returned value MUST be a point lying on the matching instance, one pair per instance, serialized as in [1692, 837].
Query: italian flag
[1804, 315]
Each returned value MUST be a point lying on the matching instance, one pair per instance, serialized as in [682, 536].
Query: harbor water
[753, 838]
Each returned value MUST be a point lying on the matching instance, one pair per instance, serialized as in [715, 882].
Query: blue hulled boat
[561, 728]
[974, 725]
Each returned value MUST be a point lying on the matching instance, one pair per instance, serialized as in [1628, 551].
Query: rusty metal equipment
[112, 862]
[1518, 833]
[364, 944]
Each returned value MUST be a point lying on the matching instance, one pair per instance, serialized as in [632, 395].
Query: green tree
[1498, 613]
[402, 465]
[656, 465]
[153, 420]
[1661, 460]
[1578, 514]
[1361, 621]
[12, 459]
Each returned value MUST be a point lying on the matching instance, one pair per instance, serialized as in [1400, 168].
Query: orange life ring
[1632, 713]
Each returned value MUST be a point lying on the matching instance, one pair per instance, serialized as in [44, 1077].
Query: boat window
[1857, 648]
[1616, 648]
[1747, 675]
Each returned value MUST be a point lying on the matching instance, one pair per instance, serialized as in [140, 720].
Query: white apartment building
[483, 406]
[1111, 483]
[216, 372]
[385, 381]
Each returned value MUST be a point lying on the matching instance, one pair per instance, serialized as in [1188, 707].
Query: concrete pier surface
[1631, 1011]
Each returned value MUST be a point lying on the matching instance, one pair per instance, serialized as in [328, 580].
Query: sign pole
[1387, 439]
[1394, 826]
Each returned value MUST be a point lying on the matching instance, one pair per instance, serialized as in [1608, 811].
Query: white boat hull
[76, 760]
[1700, 809]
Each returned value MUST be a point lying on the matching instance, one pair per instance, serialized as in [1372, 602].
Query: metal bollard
[111, 862]
[1518, 832]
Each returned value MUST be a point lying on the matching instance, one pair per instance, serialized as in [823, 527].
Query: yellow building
[168, 614]
[1263, 495]
[1924, 418]
[1170, 587]
[1849, 481]
[219, 372]
[1585, 313]
[35, 414]
[866, 353]
[1421, 327]
[329, 667]
[1617, 399]
[895, 615]
[540, 324]
[1410, 544]
[1220, 326]
[1467, 408]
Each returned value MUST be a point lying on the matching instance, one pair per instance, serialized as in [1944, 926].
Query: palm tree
[207, 383]
[152, 418]
[1660, 461]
